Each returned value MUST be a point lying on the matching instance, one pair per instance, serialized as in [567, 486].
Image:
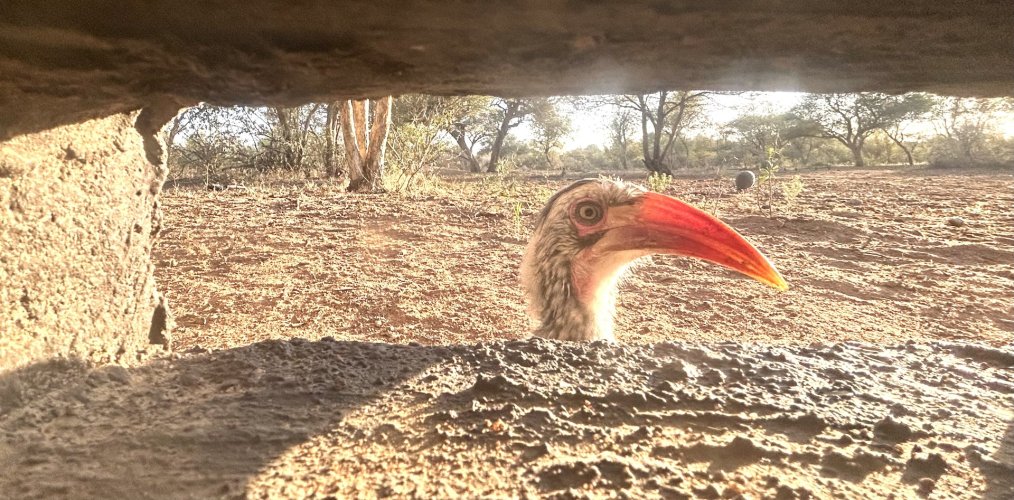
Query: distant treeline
[663, 132]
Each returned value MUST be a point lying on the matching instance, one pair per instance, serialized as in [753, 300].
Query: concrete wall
[78, 216]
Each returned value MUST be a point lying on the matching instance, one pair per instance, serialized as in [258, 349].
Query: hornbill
[590, 233]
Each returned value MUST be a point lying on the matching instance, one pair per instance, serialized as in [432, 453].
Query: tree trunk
[908, 152]
[659, 124]
[466, 152]
[373, 171]
[286, 136]
[644, 131]
[304, 133]
[349, 126]
[857, 155]
[624, 148]
[360, 114]
[331, 139]
[494, 151]
[510, 113]
[364, 149]
[656, 166]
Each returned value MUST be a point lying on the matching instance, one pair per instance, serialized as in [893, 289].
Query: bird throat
[586, 307]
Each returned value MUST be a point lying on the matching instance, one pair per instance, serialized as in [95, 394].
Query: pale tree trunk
[373, 170]
[365, 145]
[360, 113]
[353, 155]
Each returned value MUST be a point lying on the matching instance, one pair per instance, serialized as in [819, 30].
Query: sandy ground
[333, 345]
[869, 255]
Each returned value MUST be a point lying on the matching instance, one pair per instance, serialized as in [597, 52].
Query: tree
[205, 141]
[967, 125]
[484, 124]
[509, 115]
[851, 118]
[669, 114]
[551, 126]
[183, 121]
[418, 124]
[293, 127]
[470, 128]
[365, 145]
[903, 136]
[621, 130]
[761, 134]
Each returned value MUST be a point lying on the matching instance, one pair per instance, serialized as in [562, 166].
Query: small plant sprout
[768, 169]
[517, 220]
[792, 189]
[659, 182]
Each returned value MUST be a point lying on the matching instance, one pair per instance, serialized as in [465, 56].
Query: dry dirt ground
[360, 346]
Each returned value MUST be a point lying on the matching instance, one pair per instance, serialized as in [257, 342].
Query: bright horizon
[590, 125]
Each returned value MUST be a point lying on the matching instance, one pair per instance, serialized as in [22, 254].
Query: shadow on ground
[197, 426]
[298, 418]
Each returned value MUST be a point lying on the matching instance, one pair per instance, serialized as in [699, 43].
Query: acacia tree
[365, 144]
[418, 123]
[210, 141]
[293, 127]
[763, 134]
[204, 141]
[668, 114]
[966, 126]
[903, 136]
[851, 118]
[551, 126]
[509, 114]
[621, 130]
[184, 122]
[470, 128]
[484, 126]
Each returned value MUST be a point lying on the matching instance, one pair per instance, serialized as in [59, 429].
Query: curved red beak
[661, 224]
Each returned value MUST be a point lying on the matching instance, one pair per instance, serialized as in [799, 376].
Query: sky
[590, 125]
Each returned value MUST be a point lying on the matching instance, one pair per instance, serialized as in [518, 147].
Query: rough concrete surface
[292, 419]
[78, 215]
[90, 59]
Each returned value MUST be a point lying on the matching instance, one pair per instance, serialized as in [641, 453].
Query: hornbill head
[590, 232]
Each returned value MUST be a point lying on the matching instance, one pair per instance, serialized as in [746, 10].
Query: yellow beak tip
[781, 285]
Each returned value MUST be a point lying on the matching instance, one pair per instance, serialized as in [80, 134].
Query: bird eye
[588, 213]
